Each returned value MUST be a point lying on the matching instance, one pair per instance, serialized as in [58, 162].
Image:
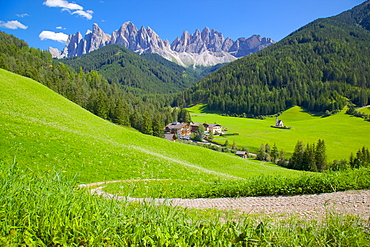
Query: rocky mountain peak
[206, 47]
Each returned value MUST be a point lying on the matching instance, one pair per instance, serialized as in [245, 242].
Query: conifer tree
[158, 127]
[295, 161]
[274, 153]
[320, 156]
[234, 145]
[226, 143]
[147, 124]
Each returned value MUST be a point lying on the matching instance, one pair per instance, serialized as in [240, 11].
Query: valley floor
[355, 202]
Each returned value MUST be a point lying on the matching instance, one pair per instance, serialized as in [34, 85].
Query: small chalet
[181, 130]
[242, 154]
[214, 128]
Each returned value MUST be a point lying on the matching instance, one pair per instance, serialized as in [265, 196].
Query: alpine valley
[322, 67]
[206, 48]
[99, 147]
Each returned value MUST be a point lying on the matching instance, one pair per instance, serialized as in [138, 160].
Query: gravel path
[347, 202]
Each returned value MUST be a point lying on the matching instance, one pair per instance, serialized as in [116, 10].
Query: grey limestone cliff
[207, 48]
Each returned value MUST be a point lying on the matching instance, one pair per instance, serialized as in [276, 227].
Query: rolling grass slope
[342, 133]
[43, 130]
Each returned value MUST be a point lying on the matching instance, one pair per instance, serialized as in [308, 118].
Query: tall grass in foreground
[306, 183]
[47, 209]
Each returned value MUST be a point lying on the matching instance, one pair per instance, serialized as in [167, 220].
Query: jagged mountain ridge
[206, 48]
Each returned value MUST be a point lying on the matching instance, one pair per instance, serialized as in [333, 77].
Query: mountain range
[205, 48]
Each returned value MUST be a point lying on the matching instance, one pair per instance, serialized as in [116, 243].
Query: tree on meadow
[274, 153]
[295, 161]
[226, 143]
[234, 145]
[320, 156]
[200, 133]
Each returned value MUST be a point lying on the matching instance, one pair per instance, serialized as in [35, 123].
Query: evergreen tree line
[313, 158]
[89, 90]
[360, 159]
[266, 153]
[318, 67]
[306, 158]
[309, 158]
[352, 111]
[139, 74]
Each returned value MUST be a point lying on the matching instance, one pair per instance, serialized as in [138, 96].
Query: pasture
[44, 131]
[57, 145]
[342, 133]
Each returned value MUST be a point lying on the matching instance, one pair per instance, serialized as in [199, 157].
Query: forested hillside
[320, 67]
[89, 90]
[137, 74]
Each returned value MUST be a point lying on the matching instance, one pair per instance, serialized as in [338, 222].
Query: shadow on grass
[313, 113]
[204, 109]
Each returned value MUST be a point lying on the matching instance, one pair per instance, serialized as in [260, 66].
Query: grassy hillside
[342, 133]
[365, 110]
[136, 73]
[47, 210]
[44, 130]
[319, 67]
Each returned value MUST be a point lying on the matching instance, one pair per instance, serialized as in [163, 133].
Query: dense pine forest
[136, 73]
[89, 90]
[320, 67]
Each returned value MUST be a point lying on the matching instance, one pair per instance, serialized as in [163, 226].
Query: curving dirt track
[347, 202]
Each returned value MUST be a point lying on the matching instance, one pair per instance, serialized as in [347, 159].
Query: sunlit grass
[47, 209]
[309, 183]
[43, 131]
[342, 133]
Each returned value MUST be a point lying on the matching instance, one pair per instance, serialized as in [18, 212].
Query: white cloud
[72, 8]
[60, 27]
[12, 25]
[87, 14]
[62, 4]
[22, 15]
[60, 37]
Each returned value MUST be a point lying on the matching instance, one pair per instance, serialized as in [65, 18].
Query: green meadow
[46, 209]
[48, 145]
[365, 110]
[44, 131]
[342, 133]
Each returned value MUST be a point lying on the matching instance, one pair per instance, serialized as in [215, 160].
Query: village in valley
[204, 133]
[197, 132]
[185, 131]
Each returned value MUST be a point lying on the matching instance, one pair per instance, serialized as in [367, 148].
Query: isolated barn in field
[242, 154]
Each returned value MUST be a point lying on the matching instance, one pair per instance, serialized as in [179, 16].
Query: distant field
[342, 133]
[365, 110]
[42, 130]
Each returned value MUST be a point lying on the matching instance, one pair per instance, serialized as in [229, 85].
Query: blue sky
[41, 23]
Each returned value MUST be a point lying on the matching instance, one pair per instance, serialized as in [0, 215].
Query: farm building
[181, 130]
[242, 154]
[214, 128]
